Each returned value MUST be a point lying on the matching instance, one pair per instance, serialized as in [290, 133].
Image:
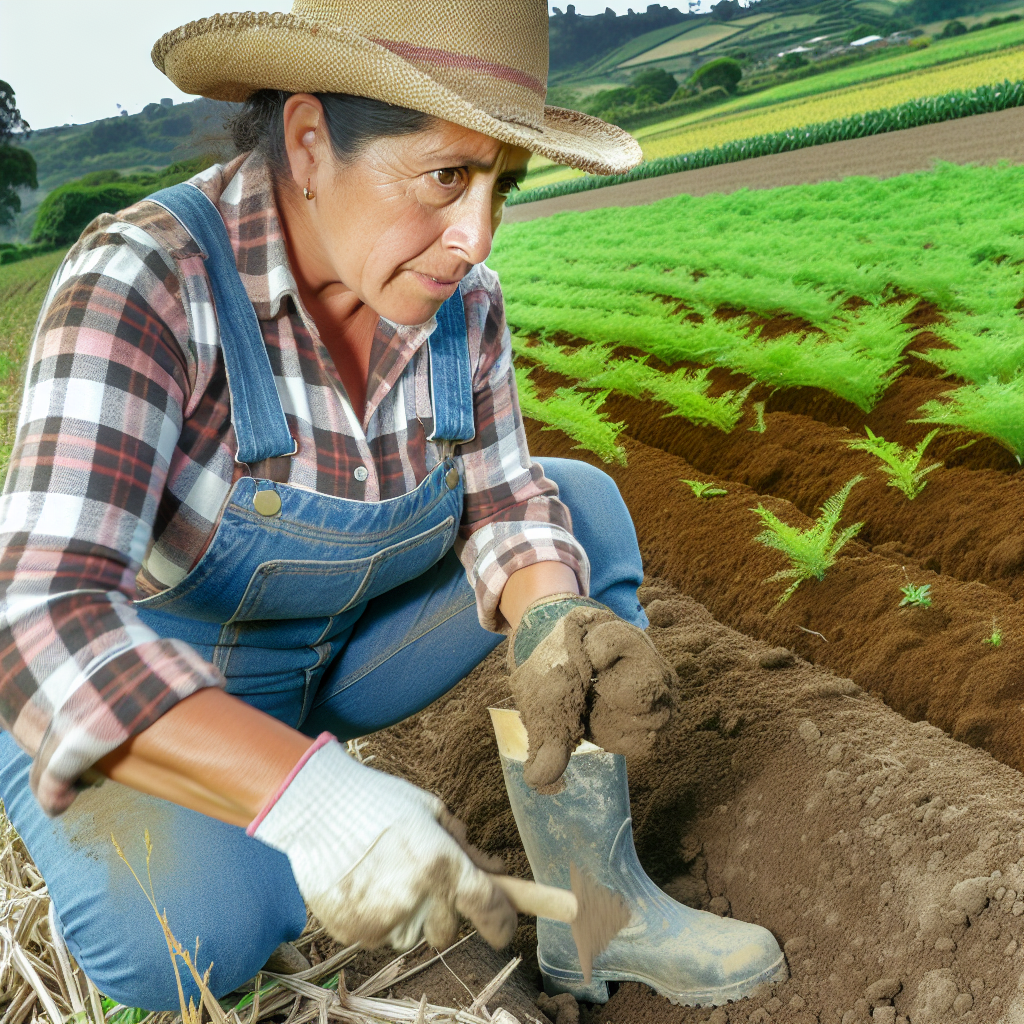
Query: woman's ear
[304, 139]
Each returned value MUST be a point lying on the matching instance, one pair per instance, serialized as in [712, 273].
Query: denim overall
[324, 612]
[289, 571]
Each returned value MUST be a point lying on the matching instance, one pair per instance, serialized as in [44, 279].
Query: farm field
[859, 99]
[732, 338]
[689, 42]
[1003, 44]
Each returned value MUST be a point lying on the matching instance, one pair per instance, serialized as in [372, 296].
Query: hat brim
[231, 56]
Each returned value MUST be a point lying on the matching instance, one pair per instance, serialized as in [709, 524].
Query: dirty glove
[579, 671]
[377, 858]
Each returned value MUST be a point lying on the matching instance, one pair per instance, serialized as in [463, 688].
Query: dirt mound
[887, 858]
[929, 663]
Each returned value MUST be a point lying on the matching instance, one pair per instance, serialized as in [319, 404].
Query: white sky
[72, 61]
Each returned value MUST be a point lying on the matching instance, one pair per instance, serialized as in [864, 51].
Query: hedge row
[962, 103]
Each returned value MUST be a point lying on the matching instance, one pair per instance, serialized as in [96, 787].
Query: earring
[306, 192]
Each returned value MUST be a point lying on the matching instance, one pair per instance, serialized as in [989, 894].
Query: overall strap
[256, 412]
[451, 376]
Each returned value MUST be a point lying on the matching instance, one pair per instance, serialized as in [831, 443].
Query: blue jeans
[239, 897]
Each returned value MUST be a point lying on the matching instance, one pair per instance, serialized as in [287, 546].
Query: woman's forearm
[533, 582]
[211, 752]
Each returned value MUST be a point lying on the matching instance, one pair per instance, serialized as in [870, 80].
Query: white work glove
[378, 859]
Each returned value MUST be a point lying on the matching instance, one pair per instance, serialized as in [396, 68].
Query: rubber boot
[691, 957]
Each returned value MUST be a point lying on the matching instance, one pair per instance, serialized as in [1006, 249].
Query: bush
[724, 71]
[792, 61]
[953, 28]
[65, 212]
[653, 86]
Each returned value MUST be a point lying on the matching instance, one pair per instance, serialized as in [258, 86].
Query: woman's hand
[579, 671]
[377, 859]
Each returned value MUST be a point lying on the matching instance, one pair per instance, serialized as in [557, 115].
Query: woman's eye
[446, 176]
[507, 186]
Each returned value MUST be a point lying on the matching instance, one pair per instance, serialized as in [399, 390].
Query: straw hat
[479, 63]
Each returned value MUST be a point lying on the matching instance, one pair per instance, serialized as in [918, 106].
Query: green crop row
[804, 286]
[961, 103]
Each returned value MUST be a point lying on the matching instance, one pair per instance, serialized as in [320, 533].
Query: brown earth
[887, 858]
[965, 523]
[927, 663]
[981, 139]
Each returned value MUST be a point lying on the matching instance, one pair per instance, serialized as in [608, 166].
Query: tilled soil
[887, 858]
[927, 663]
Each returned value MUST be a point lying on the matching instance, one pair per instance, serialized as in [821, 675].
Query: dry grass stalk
[40, 983]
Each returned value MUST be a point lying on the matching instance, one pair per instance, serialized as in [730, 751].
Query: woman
[271, 491]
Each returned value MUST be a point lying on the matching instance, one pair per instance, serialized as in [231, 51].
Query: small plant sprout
[915, 596]
[705, 488]
[759, 425]
[814, 550]
[995, 638]
[898, 463]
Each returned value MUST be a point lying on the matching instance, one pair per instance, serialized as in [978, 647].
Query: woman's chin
[411, 311]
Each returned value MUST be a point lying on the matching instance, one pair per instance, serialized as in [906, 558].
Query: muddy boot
[688, 956]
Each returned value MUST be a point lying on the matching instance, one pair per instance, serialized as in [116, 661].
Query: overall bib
[327, 613]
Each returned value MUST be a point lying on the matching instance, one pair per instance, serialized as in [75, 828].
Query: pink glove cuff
[323, 738]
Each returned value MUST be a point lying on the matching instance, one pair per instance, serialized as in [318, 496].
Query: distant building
[167, 102]
[865, 40]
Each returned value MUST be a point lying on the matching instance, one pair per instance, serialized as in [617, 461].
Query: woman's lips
[436, 285]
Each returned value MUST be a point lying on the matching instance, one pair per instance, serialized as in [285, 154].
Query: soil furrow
[927, 663]
[886, 858]
[965, 523]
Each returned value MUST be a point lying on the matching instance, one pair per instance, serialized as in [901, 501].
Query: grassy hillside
[23, 287]
[137, 143]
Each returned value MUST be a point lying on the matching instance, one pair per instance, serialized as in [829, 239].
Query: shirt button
[361, 473]
[451, 478]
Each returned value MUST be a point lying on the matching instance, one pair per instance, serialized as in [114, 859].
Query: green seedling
[916, 597]
[898, 463]
[995, 639]
[705, 488]
[813, 550]
[759, 425]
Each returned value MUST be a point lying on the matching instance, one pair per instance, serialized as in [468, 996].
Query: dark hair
[352, 122]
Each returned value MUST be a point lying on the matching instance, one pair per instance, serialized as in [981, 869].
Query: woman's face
[400, 225]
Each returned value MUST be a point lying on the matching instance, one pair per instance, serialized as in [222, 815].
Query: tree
[654, 85]
[724, 71]
[725, 10]
[792, 61]
[17, 165]
[953, 28]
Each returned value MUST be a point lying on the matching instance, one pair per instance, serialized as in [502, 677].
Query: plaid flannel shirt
[124, 460]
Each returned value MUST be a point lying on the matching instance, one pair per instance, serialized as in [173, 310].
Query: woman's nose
[472, 231]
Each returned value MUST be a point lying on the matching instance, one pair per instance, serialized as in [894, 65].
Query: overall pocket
[311, 589]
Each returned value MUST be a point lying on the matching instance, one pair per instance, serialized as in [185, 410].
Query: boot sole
[557, 981]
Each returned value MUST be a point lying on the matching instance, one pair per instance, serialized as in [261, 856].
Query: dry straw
[40, 981]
